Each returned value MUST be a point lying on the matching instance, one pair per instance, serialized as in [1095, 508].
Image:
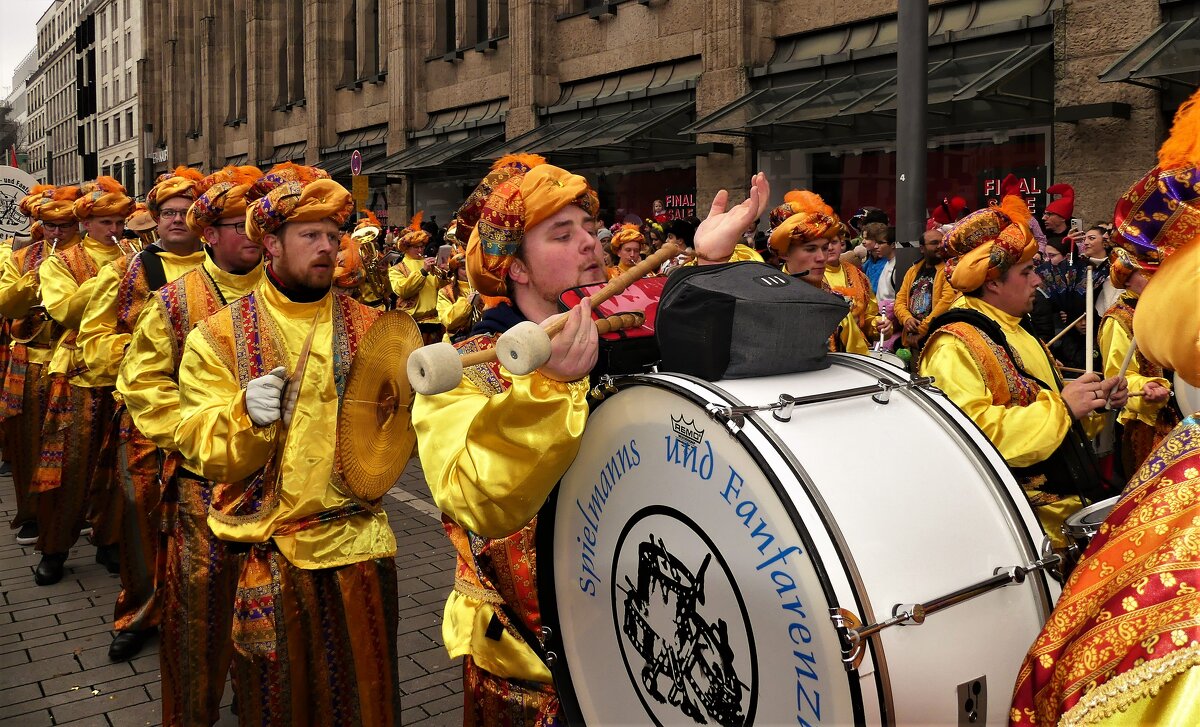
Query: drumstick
[618, 322]
[618, 284]
[1073, 370]
[1089, 336]
[1125, 367]
[1064, 331]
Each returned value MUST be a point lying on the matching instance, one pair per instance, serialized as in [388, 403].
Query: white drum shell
[908, 495]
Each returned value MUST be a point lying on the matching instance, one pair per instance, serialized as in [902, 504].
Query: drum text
[808, 698]
[625, 459]
[686, 455]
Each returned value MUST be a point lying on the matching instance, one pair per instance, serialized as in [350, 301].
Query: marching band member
[627, 245]
[495, 446]
[458, 304]
[122, 289]
[1000, 375]
[851, 282]
[415, 280]
[197, 590]
[73, 468]
[375, 287]
[801, 231]
[22, 403]
[321, 560]
[1123, 643]
[348, 274]
[1149, 418]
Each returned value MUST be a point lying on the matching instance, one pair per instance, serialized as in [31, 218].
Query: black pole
[911, 88]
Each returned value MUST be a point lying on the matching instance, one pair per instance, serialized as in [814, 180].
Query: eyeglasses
[238, 227]
[172, 213]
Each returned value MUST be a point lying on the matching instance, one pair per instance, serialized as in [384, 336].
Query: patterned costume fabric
[139, 484]
[495, 702]
[1158, 214]
[803, 217]
[22, 433]
[297, 202]
[858, 291]
[1128, 619]
[333, 659]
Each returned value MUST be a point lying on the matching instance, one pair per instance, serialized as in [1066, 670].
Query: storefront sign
[1032, 181]
[360, 188]
[680, 204]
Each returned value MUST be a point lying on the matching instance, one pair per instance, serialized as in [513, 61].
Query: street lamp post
[911, 89]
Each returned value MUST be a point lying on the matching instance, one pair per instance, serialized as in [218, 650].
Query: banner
[14, 185]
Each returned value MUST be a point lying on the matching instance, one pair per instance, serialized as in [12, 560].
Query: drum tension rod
[854, 635]
[881, 391]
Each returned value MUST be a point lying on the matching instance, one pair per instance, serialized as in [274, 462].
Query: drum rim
[1078, 518]
[548, 601]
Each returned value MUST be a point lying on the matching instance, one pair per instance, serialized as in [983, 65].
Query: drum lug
[787, 402]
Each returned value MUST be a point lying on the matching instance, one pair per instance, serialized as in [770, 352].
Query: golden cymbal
[375, 434]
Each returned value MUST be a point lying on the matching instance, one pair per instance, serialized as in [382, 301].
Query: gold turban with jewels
[520, 192]
[104, 197]
[180, 183]
[1167, 223]
[986, 243]
[803, 217]
[221, 196]
[627, 233]
[321, 199]
[283, 173]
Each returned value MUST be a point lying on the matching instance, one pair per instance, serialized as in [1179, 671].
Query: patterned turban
[282, 174]
[986, 243]
[1158, 223]
[222, 196]
[519, 192]
[104, 197]
[57, 205]
[180, 183]
[627, 233]
[803, 217]
[413, 234]
[320, 199]
[38, 193]
[368, 219]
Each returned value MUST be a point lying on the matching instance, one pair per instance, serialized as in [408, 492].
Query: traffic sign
[356, 162]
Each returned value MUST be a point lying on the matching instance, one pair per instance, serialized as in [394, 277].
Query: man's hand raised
[720, 232]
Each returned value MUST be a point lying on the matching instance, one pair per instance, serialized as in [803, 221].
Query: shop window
[368, 45]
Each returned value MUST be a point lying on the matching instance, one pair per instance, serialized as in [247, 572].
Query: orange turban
[349, 270]
[368, 220]
[321, 199]
[986, 243]
[803, 217]
[283, 173]
[179, 183]
[222, 195]
[521, 191]
[57, 206]
[104, 197]
[140, 219]
[1165, 227]
[627, 233]
[37, 193]
[413, 234]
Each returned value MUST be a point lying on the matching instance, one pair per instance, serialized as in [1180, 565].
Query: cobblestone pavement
[54, 667]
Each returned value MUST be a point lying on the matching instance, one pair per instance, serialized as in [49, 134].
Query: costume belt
[479, 592]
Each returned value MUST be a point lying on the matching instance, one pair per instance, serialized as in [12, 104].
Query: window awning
[360, 139]
[1170, 54]
[617, 126]
[237, 160]
[293, 152]
[845, 92]
[439, 151]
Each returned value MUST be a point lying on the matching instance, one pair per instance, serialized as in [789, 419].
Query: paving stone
[428, 694]
[98, 704]
[139, 715]
[444, 704]
[44, 669]
[91, 677]
[31, 645]
[412, 715]
[18, 694]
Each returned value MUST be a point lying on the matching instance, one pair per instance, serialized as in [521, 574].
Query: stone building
[116, 27]
[667, 99]
[54, 143]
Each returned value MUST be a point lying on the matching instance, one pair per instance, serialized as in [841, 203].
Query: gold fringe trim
[476, 591]
[1123, 690]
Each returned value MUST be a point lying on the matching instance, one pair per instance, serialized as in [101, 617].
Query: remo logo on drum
[671, 592]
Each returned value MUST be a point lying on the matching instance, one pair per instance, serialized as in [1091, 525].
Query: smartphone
[443, 256]
[1076, 224]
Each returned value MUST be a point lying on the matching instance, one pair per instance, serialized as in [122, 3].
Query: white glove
[263, 397]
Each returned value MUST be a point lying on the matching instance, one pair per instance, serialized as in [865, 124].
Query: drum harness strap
[1073, 464]
[503, 616]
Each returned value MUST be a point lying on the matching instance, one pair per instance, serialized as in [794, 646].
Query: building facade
[669, 99]
[54, 148]
[115, 53]
[18, 102]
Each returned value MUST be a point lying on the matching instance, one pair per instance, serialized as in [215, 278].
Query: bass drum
[703, 564]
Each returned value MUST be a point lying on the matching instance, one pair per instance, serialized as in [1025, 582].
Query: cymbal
[375, 434]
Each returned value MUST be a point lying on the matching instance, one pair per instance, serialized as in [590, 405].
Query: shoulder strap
[156, 276]
[990, 328]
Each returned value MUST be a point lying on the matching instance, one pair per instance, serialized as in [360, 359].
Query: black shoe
[109, 556]
[126, 644]
[5, 469]
[28, 534]
[50, 570]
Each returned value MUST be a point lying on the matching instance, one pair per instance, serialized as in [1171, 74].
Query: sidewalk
[54, 667]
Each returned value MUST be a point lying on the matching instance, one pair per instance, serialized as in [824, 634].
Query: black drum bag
[745, 319]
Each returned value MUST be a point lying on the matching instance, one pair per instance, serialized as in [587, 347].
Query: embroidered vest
[82, 269]
[504, 567]
[1004, 381]
[133, 292]
[246, 340]
[187, 301]
[34, 329]
[857, 290]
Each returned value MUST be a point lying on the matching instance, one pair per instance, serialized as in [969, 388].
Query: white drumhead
[683, 586]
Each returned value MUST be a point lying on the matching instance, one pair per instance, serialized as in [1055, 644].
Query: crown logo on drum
[686, 429]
